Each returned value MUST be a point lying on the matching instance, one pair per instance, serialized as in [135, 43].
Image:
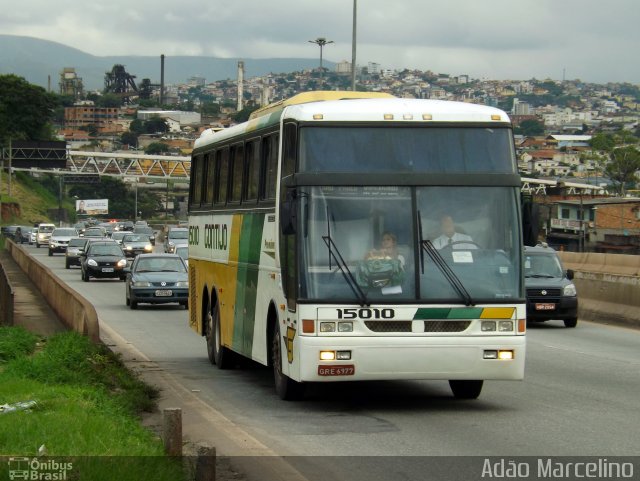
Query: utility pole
[353, 48]
[10, 157]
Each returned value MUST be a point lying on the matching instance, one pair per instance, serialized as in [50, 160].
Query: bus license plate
[107, 269]
[163, 293]
[545, 307]
[341, 370]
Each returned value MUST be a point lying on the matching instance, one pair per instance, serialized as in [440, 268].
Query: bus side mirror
[288, 213]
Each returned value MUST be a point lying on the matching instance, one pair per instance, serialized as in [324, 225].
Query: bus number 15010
[365, 313]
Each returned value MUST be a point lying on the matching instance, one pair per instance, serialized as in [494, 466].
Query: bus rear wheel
[286, 388]
[466, 389]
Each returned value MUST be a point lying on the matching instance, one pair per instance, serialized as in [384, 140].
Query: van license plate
[545, 307]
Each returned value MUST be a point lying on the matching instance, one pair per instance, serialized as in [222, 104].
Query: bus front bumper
[437, 358]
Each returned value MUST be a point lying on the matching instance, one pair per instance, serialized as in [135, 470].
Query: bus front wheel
[466, 389]
[286, 388]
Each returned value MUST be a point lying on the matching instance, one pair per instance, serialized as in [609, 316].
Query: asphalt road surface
[580, 397]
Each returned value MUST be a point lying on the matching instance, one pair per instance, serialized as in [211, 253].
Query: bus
[285, 209]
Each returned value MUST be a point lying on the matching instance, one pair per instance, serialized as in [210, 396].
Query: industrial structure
[70, 84]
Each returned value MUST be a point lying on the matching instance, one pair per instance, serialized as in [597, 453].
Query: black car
[157, 279]
[102, 259]
[550, 292]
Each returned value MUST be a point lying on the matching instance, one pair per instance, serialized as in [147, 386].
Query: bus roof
[316, 96]
[359, 106]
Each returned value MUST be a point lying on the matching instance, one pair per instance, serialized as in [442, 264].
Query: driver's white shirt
[444, 240]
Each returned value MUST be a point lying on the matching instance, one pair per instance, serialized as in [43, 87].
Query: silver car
[60, 238]
[177, 236]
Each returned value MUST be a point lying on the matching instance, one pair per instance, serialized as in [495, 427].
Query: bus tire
[286, 388]
[208, 332]
[222, 356]
[466, 389]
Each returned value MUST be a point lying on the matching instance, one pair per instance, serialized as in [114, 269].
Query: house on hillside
[597, 224]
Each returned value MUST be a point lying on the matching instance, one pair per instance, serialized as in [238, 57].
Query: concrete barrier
[608, 286]
[72, 309]
[6, 299]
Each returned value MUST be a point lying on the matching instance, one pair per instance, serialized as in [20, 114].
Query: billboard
[92, 206]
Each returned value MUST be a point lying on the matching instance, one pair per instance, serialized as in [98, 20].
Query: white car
[43, 232]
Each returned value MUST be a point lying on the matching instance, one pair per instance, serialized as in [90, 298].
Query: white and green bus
[285, 209]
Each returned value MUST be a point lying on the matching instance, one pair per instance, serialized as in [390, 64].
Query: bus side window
[195, 194]
[290, 149]
[237, 169]
[269, 156]
[222, 175]
[252, 174]
[209, 179]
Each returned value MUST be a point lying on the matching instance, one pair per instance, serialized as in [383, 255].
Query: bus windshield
[471, 232]
[407, 149]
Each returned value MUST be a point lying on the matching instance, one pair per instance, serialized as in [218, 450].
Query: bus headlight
[488, 326]
[505, 326]
[327, 327]
[345, 327]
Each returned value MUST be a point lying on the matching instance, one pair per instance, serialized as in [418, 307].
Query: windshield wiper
[346, 272]
[428, 247]
[342, 265]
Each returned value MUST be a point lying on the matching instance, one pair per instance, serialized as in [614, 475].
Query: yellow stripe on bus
[229, 283]
[498, 313]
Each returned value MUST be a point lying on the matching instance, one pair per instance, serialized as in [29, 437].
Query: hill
[40, 60]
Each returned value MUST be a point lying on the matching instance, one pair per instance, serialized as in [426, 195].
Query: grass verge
[87, 407]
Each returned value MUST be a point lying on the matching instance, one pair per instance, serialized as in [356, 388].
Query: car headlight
[569, 291]
[128, 248]
[148, 248]
[141, 284]
[122, 263]
[182, 284]
[92, 263]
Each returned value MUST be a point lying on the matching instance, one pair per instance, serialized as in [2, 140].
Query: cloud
[495, 38]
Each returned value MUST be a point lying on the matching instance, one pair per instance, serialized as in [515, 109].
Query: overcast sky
[591, 40]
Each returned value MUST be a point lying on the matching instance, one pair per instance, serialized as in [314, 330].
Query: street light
[321, 42]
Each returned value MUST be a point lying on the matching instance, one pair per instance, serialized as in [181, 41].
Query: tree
[129, 138]
[156, 148]
[136, 126]
[602, 141]
[109, 101]
[26, 110]
[530, 128]
[622, 168]
[155, 125]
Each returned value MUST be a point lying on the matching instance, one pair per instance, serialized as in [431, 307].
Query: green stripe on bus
[247, 282]
[448, 313]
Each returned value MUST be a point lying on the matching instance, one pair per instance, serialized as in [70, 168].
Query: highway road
[580, 397]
